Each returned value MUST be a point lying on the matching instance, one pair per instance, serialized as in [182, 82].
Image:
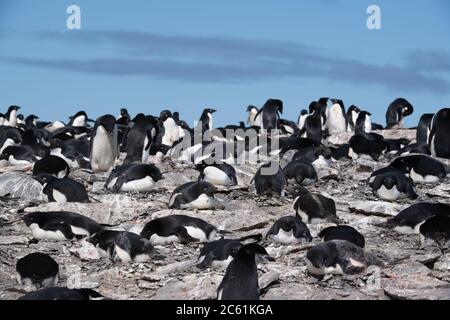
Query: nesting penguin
[122, 246]
[342, 232]
[63, 293]
[193, 195]
[218, 253]
[179, 228]
[9, 137]
[240, 281]
[301, 171]
[62, 190]
[435, 231]
[369, 145]
[38, 270]
[133, 177]
[289, 230]
[18, 155]
[339, 257]
[51, 165]
[104, 148]
[409, 220]
[392, 185]
[421, 168]
[60, 225]
[269, 179]
[219, 174]
[314, 207]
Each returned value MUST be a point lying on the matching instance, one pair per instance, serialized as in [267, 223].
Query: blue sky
[186, 55]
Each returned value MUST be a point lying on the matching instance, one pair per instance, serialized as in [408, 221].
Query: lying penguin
[63, 293]
[62, 190]
[219, 174]
[240, 281]
[193, 195]
[301, 171]
[179, 228]
[367, 145]
[269, 179]
[435, 231]
[342, 232]
[409, 220]
[60, 225]
[133, 177]
[421, 168]
[339, 257]
[319, 157]
[392, 185]
[314, 207]
[51, 165]
[37, 270]
[18, 155]
[218, 253]
[289, 230]
[122, 246]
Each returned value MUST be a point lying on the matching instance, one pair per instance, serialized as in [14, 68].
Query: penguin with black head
[439, 137]
[219, 174]
[397, 111]
[51, 165]
[37, 270]
[393, 185]
[352, 114]
[104, 148]
[424, 128]
[133, 177]
[62, 190]
[11, 116]
[289, 230]
[241, 278]
[336, 117]
[270, 113]
[193, 195]
[218, 253]
[269, 179]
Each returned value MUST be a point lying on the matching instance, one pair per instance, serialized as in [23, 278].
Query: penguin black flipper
[63, 227]
[119, 183]
[207, 261]
[184, 235]
[406, 185]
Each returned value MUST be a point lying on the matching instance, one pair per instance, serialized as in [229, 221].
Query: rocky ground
[410, 272]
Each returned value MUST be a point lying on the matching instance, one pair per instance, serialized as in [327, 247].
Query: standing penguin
[270, 113]
[313, 125]
[363, 123]
[169, 132]
[104, 148]
[439, 138]
[423, 129]
[352, 115]
[301, 120]
[253, 118]
[11, 116]
[206, 119]
[396, 111]
[269, 179]
[241, 278]
[79, 119]
[336, 117]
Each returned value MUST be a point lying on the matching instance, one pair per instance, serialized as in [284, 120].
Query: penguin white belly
[419, 178]
[141, 258]
[301, 122]
[9, 142]
[406, 229]
[122, 254]
[367, 125]
[79, 231]
[303, 216]
[142, 185]
[352, 154]
[324, 270]
[321, 162]
[216, 176]
[156, 239]
[221, 264]
[145, 153]
[4, 163]
[39, 233]
[285, 237]
[196, 233]
[202, 202]
[79, 121]
[62, 174]
[103, 152]
[432, 147]
[335, 120]
[103, 253]
[172, 198]
[112, 183]
[390, 194]
[59, 196]
[71, 163]
[16, 162]
[171, 132]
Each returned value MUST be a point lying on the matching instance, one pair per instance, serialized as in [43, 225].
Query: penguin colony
[128, 154]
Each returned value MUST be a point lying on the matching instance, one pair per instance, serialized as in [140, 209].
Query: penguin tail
[223, 232]
[257, 237]
[373, 260]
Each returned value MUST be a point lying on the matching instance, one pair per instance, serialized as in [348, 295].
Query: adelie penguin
[301, 120]
[301, 171]
[10, 137]
[169, 132]
[439, 138]
[218, 253]
[11, 116]
[397, 111]
[63, 293]
[79, 119]
[336, 117]
[51, 165]
[206, 119]
[339, 257]
[392, 185]
[62, 190]
[312, 127]
[60, 225]
[269, 179]
[367, 145]
[314, 207]
[363, 123]
[240, 281]
[435, 231]
[319, 157]
[409, 220]
[219, 174]
[253, 118]
[342, 232]
[18, 155]
[270, 113]
[37, 270]
[123, 246]
[193, 195]
[133, 177]
[179, 228]
[104, 149]
[424, 128]
[421, 168]
[352, 114]
[289, 230]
